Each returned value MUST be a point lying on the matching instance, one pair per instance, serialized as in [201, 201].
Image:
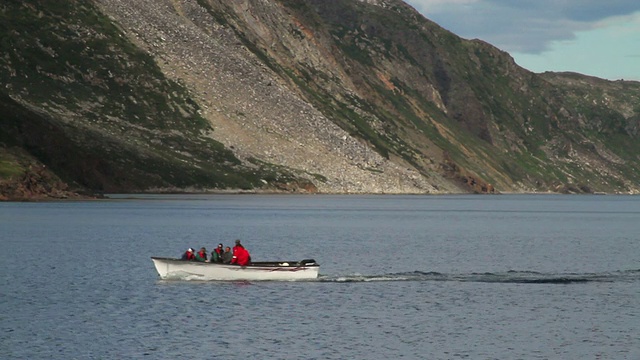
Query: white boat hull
[169, 268]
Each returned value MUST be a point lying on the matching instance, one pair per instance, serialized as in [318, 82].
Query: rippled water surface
[413, 277]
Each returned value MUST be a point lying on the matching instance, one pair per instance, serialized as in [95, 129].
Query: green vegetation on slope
[503, 122]
[99, 111]
[81, 98]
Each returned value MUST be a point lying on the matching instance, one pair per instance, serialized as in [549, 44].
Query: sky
[593, 37]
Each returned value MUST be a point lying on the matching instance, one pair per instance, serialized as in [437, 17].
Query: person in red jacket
[188, 255]
[240, 255]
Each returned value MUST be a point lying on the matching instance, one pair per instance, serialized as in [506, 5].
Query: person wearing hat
[240, 255]
[238, 245]
[216, 254]
[202, 255]
[188, 255]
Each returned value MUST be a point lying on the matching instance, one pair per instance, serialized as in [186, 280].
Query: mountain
[329, 96]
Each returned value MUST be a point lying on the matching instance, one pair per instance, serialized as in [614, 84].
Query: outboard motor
[307, 262]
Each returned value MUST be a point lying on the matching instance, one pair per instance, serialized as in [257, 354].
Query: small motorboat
[170, 268]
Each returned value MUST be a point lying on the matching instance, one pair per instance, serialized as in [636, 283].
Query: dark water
[413, 277]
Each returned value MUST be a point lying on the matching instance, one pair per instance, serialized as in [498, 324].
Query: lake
[410, 277]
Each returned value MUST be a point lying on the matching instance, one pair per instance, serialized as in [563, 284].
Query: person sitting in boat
[227, 256]
[202, 255]
[188, 255]
[240, 255]
[216, 255]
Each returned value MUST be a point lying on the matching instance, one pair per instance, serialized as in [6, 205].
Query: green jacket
[215, 257]
[201, 257]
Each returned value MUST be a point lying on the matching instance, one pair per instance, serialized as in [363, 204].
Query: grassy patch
[9, 167]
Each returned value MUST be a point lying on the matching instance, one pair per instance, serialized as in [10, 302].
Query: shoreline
[147, 194]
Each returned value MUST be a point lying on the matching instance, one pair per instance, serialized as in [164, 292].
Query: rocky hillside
[332, 96]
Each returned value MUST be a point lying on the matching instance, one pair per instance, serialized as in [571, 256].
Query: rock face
[329, 96]
[36, 183]
[252, 108]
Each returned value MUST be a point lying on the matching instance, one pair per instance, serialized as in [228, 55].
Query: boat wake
[509, 277]
[183, 275]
